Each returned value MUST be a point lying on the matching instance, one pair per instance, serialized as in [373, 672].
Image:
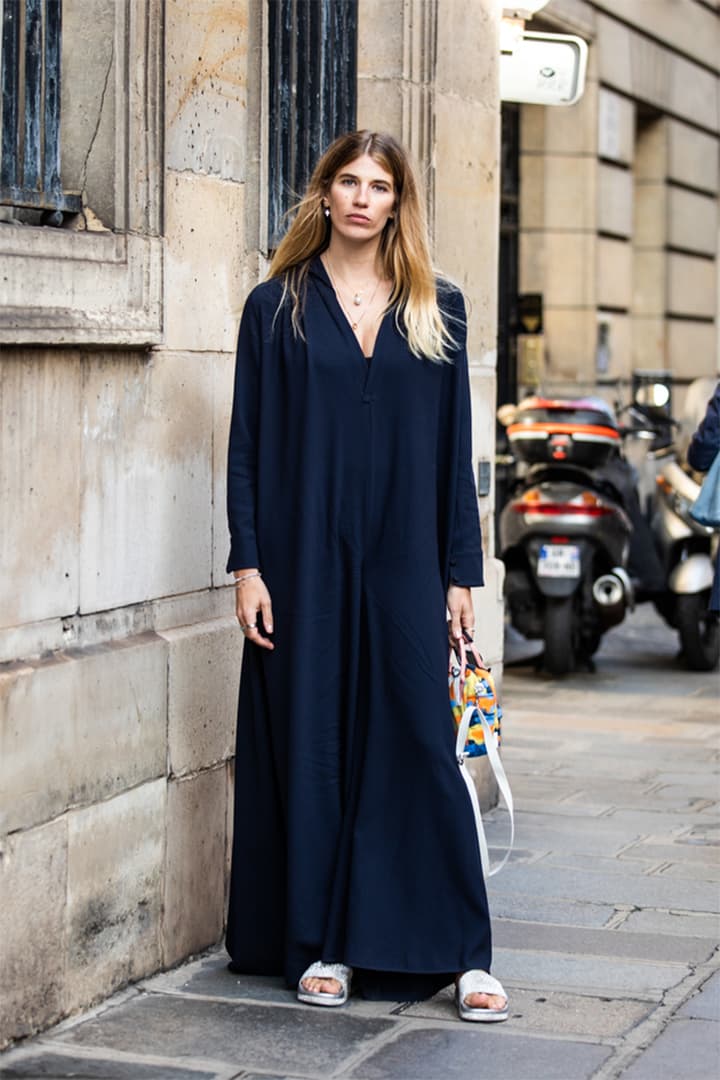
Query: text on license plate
[559, 560]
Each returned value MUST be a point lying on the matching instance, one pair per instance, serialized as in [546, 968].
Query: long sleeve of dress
[242, 450]
[466, 556]
[705, 443]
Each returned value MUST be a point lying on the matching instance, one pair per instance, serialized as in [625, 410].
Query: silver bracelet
[246, 577]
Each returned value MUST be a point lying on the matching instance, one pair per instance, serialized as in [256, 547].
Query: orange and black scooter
[565, 534]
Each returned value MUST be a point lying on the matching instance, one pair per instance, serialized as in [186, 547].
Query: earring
[326, 211]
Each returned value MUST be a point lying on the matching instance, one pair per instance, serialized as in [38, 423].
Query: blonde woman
[354, 526]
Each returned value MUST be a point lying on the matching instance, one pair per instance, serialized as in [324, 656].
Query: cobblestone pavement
[606, 924]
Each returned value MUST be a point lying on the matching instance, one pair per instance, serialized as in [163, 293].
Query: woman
[354, 522]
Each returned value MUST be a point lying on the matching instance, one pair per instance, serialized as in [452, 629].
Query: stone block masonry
[114, 775]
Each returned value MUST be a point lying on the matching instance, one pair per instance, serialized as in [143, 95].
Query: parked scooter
[579, 551]
[564, 533]
[686, 548]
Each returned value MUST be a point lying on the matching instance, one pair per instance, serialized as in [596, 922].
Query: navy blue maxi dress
[350, 485]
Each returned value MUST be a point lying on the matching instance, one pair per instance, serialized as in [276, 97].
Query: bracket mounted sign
[543, 69]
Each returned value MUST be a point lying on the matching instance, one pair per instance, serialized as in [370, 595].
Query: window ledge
[79, 288]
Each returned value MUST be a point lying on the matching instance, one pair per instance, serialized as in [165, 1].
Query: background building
[185, 126]
[610, 207]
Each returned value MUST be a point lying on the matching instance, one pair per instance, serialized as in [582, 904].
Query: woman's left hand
[462, 615]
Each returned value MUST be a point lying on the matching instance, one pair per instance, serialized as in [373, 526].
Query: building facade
[122, 276]
[612, 204]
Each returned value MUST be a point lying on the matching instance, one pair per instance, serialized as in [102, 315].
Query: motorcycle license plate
[559, 560]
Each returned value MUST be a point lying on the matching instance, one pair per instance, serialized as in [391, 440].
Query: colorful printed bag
[471, 684]
[477, 715]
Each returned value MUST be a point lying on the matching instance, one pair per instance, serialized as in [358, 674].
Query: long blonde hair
[404, 249]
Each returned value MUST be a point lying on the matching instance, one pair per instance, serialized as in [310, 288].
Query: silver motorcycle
[686, 548]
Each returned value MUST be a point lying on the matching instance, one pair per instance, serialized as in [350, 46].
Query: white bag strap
[493, 755]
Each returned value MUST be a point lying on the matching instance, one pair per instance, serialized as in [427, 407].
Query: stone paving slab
[704, 833]
[577, 860]
[210, 978]
[694, 769]
[49, 1063]
[522, 855]
[552, 1013]
[686, 1048]
[558, 832]
[485, 1054]
[267, 1076]
[685, 924]
[547, 788]
[654, 821]
[705, 1005]
[593, 974]
[535, 743]
[677, 852]
[630, 795]
[624, 828]
[659, 892]
[692, 870]
[567, 808]
[255, 1036]
[513, 934]
[542, 841]
[633, 767]
[528, 908]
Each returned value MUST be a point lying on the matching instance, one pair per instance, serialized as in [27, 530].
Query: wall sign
[543, 69]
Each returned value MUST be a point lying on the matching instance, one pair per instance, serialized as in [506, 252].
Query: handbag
[477, 715]
[471, 683]
[706, 508]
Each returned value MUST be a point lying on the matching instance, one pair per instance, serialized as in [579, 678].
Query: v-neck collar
[319, 272]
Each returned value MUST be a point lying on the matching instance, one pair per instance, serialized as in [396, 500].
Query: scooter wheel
[560, 645]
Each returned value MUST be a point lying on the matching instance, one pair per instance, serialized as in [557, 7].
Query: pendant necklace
[357, 294]
[357, 299]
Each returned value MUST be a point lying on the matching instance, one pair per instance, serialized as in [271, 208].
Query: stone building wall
[619, 195]
[119, 653]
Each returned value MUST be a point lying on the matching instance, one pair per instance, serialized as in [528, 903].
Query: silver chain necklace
[357, 299]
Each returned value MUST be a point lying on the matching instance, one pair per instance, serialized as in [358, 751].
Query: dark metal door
[313, 93]
[507, 295]
[508, 264]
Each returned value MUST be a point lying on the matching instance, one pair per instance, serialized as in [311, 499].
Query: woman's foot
[321, 986]
[480, 997]
[325, 984]
[485, 1001]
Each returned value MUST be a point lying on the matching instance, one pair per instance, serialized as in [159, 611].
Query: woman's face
[361, 199]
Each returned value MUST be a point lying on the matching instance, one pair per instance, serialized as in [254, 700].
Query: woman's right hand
[252, 600]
